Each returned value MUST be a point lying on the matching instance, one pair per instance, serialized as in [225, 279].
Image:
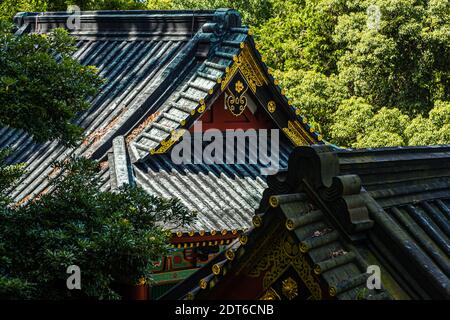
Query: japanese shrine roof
[388, 207]
[163, 70]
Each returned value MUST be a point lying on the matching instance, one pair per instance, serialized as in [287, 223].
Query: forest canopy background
[365, 73]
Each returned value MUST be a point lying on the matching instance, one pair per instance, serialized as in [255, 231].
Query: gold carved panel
[296, 133]
[249, 68]
[270, 294]
[282, 254]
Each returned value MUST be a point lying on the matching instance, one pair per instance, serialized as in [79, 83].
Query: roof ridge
[123, 22]
[399, 149]
[121, 12]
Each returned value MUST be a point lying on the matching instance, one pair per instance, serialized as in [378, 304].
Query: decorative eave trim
[203, 238]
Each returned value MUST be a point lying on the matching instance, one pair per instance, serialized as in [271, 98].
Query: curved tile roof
[161, 69]
[349, 209]
[224, 195]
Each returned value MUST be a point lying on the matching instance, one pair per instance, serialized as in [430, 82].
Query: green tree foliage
[111, 236]
[9, 285]
[380, 59]
[389, 57]
[299, 36]
[435, 129]
[358, 124]
[393, 54]
[317, 95]
[8, 174]
[41, 87]
[9, 8]
[253, 12]
[397, 63]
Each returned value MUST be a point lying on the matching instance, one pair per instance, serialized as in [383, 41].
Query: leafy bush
[42, 87]
[112, 236]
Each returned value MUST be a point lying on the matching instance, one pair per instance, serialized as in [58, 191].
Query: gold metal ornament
[271, 106]
[166, 144]
[270, 294]
[216, 269]
[236, 104]
[229, 254]
[273, 201]
[303, 247]
[332, 291]
[317, 269]
[290, 288]
[189, 296]
[290, 225]
[203, 284]
[257, 221]
[239, 86]
[202, 107]
[243, 239]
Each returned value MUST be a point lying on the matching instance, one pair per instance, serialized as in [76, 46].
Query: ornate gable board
[233, 67]
[249, 66]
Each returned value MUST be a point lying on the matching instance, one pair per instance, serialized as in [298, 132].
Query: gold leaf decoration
[297, 134]
[236, 104]
[271, 106]
[270, 294]
[247, 65]
[239, 86]
[166, 144]
[278, 257]
[290, 288]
